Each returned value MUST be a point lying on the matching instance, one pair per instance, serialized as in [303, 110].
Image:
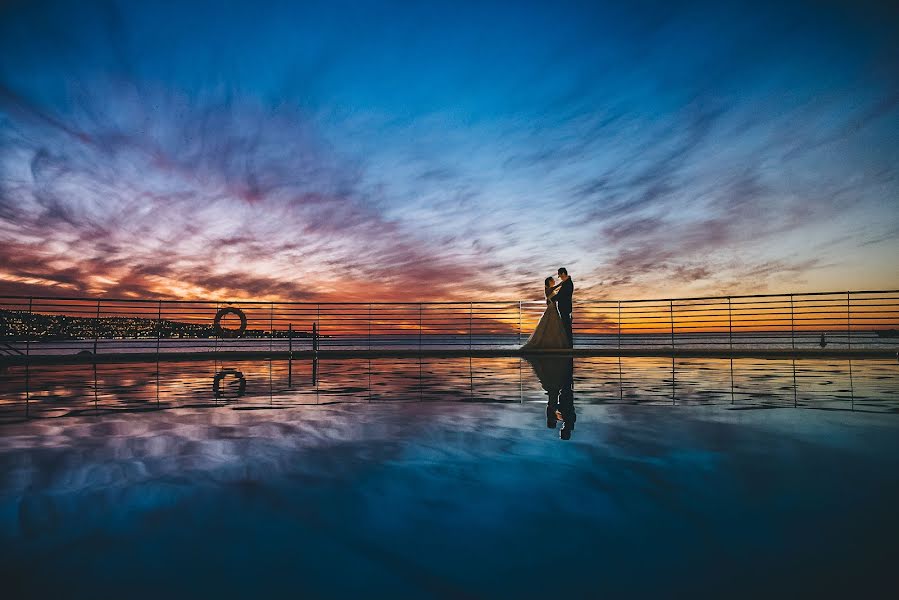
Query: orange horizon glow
[602, 317]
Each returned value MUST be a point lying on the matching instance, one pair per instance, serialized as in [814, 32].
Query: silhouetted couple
[553, 331]
[556, 375]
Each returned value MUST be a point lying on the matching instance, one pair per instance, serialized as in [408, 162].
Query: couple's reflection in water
[556, 375]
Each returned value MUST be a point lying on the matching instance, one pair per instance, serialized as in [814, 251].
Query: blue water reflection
[459, 498]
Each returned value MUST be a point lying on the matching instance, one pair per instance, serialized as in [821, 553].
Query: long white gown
[549, 333]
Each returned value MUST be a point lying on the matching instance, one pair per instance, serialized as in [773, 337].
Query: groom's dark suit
[563, 301]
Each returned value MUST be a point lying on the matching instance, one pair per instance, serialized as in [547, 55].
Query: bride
[549, 333]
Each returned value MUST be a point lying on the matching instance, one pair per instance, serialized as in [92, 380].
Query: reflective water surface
[82, 389]
[468, 477]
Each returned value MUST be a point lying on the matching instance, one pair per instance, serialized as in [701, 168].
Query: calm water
[449, 478]
[85, 389]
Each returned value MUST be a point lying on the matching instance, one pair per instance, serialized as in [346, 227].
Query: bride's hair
[546, 281]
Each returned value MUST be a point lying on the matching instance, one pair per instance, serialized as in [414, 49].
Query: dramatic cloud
[454, 152]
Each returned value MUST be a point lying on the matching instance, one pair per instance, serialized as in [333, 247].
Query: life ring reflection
[239, 382]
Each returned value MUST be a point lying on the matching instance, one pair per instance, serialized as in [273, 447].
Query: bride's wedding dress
[549, 333]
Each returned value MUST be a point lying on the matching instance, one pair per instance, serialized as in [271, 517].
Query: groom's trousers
[566, 322]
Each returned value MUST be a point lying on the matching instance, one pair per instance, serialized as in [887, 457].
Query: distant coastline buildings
[23, 325]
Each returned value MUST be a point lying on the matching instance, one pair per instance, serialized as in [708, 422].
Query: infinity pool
[474, 477]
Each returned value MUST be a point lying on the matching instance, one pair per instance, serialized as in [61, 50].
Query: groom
[563, 302]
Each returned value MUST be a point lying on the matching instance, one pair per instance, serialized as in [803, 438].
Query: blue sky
[378, 150]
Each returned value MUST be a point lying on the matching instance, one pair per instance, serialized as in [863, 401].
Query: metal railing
[45, 326]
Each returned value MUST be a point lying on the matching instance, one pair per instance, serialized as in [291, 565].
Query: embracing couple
[553, 332]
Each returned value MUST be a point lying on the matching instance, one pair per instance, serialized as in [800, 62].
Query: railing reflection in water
[36, 391]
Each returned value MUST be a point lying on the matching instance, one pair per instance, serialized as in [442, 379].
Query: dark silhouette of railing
[861, 321]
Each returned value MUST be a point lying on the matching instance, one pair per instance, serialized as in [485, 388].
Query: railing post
[671, 315]
[96, 327]
[290, 340]
[420, 307]
[369, 326]
[470, 314]
[792, 325]
[315, 337]
[158, 327]
[216, 337]
[271, 329]
[519, 321]
[848, 321]
[28, 331]
[619, 329]
[730, 340]
[730, 325]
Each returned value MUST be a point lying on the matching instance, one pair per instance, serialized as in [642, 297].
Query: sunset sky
[428, 151]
